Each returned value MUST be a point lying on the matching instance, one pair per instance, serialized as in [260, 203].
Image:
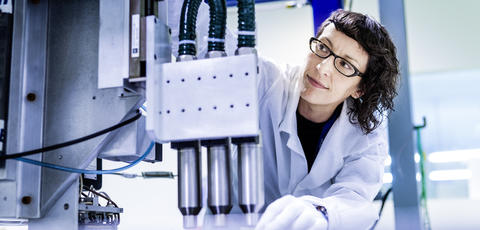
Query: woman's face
[324, 84]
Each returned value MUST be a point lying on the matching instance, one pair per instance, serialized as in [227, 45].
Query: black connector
[188, 23]
[218, 25]
[246, 22]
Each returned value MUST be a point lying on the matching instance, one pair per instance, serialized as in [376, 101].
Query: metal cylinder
[215, 54]
[189, 185]
[250, 181]
[219, 189]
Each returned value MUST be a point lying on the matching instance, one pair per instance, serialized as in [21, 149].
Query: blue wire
[84, 171]
[144, 108]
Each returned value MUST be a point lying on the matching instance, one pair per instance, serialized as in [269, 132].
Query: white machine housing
[202, 99]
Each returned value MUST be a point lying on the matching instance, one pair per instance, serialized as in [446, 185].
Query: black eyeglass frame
[356, 73]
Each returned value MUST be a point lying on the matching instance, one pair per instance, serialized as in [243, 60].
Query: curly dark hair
[379, 82]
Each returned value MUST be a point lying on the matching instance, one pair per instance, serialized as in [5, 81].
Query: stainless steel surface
[215, 54]
[75, 106]
[245, 50]
[129, 143]
[250, 178]
[189, 221]
[162, 11]
[186, 58]
[219, 189]
[63, 214]
[8, 198]
[113, 42]
[189, 184]
[62, 104]
[212, 99]
[25, 126]
[158, 51]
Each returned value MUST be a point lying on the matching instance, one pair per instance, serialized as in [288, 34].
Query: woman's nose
[325, 67]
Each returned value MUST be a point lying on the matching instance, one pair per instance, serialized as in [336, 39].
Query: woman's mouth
[315, 83]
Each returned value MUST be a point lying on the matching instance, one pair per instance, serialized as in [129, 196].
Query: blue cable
[84, 171]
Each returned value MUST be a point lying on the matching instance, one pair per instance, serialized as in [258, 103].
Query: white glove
[292, 213]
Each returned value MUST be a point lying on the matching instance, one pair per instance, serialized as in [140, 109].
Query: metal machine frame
[54, 97]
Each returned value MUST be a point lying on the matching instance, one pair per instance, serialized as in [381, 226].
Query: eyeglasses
[343, 66]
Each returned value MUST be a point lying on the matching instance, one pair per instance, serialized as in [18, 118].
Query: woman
[323, 128]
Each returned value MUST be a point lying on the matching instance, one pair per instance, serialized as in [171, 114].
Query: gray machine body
[54, 97]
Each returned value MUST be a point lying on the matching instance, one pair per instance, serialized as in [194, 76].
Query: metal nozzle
[189, 184]
[250, 180]
[189, 221]
[219, 191]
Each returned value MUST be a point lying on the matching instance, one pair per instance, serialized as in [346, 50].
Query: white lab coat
[348, 170]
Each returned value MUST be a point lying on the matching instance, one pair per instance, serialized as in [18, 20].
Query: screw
[31, 97]
[65, 206]
[60, 157]
[26, 200]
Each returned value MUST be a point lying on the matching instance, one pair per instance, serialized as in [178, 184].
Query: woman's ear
[357, 94]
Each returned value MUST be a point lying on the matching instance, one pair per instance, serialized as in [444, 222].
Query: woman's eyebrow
[351, 59]
[329, 42]
[332, 47]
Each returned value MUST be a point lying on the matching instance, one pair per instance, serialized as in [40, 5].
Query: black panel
[6, 25]
[158, 152]
[96, 183]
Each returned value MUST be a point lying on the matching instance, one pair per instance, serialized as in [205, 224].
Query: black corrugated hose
[246, 23]
[188, 23]
[218, 25]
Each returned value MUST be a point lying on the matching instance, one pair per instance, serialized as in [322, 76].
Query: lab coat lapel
[292, 156]
[289, 123]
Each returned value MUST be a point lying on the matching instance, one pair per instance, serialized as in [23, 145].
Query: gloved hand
[292, 213]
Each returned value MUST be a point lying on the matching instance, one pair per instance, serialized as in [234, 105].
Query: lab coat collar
[334, 148]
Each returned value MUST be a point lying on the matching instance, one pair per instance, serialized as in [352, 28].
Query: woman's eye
[345, 64]
[322, 47]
